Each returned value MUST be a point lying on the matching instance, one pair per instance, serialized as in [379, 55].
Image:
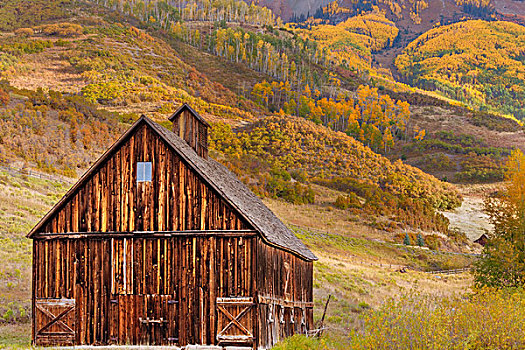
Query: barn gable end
[109, 198]
[192, 128]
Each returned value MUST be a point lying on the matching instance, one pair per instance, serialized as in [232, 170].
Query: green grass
[361, 274]
[23, 201]
[299, 342]
[15, 336]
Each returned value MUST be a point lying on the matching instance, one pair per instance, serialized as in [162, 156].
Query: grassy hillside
[360, 274]
[23, 200]
[101, 63]
[477, 62]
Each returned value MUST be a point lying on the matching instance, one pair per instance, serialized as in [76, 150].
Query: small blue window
[143, 171]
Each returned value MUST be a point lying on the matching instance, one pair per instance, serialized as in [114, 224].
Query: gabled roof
[187, 107]
[481, 237]
[234, 192]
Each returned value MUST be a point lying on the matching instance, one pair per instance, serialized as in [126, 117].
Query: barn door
[158, 320]
[144, 319]
[235, 320]
[55, 322]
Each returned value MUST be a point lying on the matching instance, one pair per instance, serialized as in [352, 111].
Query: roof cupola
[192, 128]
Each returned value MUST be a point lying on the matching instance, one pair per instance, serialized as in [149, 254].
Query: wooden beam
[148, 234]
[236, 300]
[283, 302]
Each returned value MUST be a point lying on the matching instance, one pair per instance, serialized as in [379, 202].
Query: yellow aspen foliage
[420, 135]
[476, 62]
[502, 263]
[351, 43]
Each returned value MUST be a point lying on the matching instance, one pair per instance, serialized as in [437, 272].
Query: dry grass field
[434, 118]
[362, 274]
[323, 215]
[48, 70]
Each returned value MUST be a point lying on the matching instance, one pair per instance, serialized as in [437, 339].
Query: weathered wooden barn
[158, 244]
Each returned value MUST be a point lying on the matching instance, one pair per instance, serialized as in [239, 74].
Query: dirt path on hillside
[470, 217]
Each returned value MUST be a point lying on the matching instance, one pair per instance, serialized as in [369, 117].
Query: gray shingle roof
[238, 195]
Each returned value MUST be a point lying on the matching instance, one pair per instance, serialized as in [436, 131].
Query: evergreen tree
[406, 241]
[420, 240]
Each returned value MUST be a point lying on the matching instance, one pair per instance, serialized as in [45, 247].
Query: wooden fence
[450, 272]
[38, 175]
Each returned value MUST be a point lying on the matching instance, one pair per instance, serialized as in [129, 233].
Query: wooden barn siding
[193, 271]
[190, 129]
[271, 285]
[113, 201]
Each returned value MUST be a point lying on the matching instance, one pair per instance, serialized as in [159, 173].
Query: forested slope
[477, 62]
[351, 42]
[284, 154]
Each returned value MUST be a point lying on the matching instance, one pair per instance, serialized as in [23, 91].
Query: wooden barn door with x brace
[235, 320]
[55, 322]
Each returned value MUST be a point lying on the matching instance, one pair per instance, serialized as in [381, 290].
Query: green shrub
[298, 342]
[26, 47]
[292, 192]
[102, 92]
[348, 201]
[363, 305]
[15, 312]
